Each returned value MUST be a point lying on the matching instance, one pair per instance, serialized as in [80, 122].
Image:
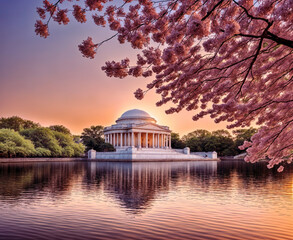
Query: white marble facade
[136, 128]
[136, 136]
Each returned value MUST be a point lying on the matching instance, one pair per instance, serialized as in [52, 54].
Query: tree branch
[211, 11]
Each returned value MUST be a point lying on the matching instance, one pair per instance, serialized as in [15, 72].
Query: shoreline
[24, 160]
[32, 160]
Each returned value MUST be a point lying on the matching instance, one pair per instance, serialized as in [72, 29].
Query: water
[175, 200]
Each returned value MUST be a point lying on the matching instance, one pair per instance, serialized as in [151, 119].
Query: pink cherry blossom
[88, 48]
[281, 169]
[61, 17]
[135, 71]
[99, 20]
[41, 12]
[138, 94]
[50, 8]
[41, 29]
[95, 4]
[79, 14]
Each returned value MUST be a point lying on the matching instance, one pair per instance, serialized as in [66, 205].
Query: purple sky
[48, 81]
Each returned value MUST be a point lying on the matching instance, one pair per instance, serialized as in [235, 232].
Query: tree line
[220, 141]
[25, 138]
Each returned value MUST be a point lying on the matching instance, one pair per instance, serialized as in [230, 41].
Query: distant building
[136, 136]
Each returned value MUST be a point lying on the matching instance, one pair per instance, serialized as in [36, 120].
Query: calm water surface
[175, 200]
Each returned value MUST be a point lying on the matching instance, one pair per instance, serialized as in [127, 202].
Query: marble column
[121, 139]
[170, 141]
[114, 139]
[146, 140]
[162, 139]
[132, 139]
[153, 143]
[125, 143]
[139, 140]
[158, 142]
[165, 140]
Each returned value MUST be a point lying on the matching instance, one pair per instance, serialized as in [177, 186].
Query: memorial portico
[136, 136]
[136, 128]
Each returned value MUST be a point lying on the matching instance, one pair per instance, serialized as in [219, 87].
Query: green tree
[197, 140]
[42, 152]
[79, 149]
[93, 132]
[43, 138]
[17, 123]
[92, 138]
[12, 144]
[77, 138]
[69, 147]
[224, 143]
[35, 141]
[200, 133]
[176, 142]
[222, 133]
[242, 135]
[60, 128]
[220, 141]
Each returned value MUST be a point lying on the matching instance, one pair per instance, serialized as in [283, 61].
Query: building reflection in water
[136, 185]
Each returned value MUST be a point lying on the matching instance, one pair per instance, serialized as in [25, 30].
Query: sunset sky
[48, 81]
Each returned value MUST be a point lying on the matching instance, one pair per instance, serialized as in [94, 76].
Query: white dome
[136, 114]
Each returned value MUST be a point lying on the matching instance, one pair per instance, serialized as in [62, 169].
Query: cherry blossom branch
[212, 10]
[250, 16]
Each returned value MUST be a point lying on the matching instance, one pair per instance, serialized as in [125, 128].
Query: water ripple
[183, 200]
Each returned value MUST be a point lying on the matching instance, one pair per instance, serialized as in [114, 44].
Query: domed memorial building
[136, 136]
[136, 128]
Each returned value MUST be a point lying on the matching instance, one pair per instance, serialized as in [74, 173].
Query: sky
[49, 82]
